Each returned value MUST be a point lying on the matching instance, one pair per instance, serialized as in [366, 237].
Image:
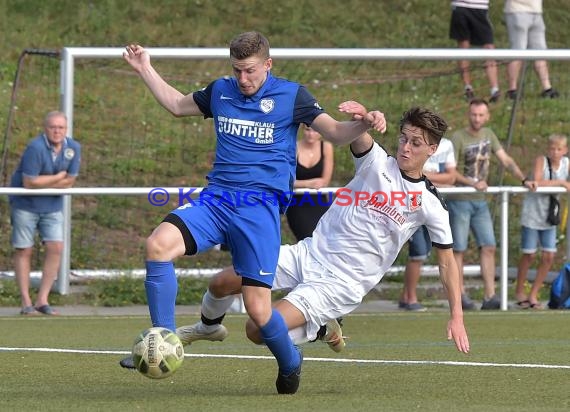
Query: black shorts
[471, 24]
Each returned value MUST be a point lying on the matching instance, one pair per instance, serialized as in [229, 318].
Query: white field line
[337, 360]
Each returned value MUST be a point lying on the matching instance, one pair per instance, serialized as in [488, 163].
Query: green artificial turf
[393, 362]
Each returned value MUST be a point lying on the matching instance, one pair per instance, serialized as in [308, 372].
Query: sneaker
[550, 93]
[512, 94]
[469, 94]
[466, 302]
[402, 304]
[415, 307]
[191, 333]
[127, 363]
[289, 384]
[495, 97]
[333, 336]
[492, 303]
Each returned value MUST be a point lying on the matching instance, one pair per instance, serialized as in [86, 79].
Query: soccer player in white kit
[356, 241]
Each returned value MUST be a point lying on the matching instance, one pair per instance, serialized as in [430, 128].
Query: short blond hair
[558, 138]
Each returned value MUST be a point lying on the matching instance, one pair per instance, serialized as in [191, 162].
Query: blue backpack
[560, 290]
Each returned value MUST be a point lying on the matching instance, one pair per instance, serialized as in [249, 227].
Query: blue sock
[161, 289]
[275, 336]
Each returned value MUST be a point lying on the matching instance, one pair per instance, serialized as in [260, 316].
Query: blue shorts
[532, 238]
[250, 228]
[474, 215]
[419, 244]
[25, 224]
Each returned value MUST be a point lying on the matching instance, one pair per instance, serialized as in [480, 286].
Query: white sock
[214, 308]
[298, 335]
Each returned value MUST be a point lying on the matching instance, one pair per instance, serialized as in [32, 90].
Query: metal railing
[70, 54]
[504, 192]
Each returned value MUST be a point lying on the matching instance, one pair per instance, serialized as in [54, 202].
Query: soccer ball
[157, 353]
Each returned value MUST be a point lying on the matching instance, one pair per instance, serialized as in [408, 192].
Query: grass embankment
[129, 141]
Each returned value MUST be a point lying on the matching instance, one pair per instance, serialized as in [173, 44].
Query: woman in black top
[315, 162]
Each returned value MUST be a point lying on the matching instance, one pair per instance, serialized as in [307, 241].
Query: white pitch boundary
[335, 360]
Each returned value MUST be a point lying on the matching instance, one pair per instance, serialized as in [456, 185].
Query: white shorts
[318, 293]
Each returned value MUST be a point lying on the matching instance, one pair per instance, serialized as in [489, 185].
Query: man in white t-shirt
[356, 241]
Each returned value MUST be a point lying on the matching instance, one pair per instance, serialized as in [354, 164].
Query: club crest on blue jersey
[266, 105]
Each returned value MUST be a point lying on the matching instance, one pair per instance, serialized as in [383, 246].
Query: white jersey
[443, 158]
[358, 241]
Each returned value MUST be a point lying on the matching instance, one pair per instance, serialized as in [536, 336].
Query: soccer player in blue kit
[256, 118]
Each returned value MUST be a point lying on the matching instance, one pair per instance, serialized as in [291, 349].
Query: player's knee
[252, 332]
[216, 287]
[155, 249]
[258, 313]
[257, 302]
[219, 288]
[225, 283]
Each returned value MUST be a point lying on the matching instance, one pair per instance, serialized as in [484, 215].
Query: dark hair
[478, 101]
[430, 122]
[249, 44]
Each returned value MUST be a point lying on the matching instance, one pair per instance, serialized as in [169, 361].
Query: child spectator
[549, 170]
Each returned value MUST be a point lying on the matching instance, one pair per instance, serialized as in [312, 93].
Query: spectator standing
[526, 30]
[473, 148]
[470, 26]
[315, 162]
[550, 170]
[439, 169]
[51, 160]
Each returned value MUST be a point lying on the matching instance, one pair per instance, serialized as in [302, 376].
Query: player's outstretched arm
[171, 99]
[375, 118]
[346, 132]
[449, 276]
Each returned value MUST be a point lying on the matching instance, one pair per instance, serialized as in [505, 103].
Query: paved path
[140, 310]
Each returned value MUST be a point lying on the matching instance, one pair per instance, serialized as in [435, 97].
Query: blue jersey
[38, 160]
[256, 135]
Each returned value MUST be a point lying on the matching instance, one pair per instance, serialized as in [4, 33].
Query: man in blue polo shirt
[51, 160]
[256, 118]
